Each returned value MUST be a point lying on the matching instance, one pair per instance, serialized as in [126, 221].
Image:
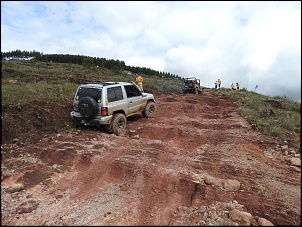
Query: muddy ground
[195, 163]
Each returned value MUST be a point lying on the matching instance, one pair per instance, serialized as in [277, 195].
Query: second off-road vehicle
[108, 104]
[191, 85]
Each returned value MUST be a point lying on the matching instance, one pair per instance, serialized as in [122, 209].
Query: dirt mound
[196, 163]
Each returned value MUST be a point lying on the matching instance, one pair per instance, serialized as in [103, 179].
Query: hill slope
[196, 163]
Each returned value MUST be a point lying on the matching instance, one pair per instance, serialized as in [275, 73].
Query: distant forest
[83, 60]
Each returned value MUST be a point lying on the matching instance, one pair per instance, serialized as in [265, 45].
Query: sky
[249, 42]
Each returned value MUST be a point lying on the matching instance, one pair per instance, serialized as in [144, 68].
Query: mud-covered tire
[76, 123]
[88, 107]
[118, 123]
[107, 128]
[150, 110]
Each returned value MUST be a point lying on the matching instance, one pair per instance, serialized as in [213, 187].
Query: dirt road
[182, 167]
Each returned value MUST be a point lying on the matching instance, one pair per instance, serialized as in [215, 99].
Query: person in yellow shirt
[139, 82]
[219, 83]
[233, 86]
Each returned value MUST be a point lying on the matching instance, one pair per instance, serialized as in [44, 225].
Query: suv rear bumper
[98, 120]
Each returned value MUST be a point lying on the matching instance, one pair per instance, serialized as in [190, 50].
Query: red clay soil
[153, 173]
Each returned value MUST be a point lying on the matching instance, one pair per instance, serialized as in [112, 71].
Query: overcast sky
[252, 43]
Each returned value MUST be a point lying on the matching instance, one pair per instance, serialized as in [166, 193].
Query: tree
[88, 62]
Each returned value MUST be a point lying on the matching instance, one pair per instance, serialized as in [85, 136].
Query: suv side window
[114, 94]
[132, 91]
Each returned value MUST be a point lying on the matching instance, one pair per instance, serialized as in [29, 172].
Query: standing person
[233, 86]
[139, 81]
[216, 83]
[237, 85]
[219, 82]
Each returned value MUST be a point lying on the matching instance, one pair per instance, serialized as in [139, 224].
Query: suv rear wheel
[118, 122]
[149, 110]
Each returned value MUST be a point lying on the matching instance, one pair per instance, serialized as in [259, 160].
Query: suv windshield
[92, 92]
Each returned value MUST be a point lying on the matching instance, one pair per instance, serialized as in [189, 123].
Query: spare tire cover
[88, 107]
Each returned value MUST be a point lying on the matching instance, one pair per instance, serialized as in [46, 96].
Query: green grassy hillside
[36, 97]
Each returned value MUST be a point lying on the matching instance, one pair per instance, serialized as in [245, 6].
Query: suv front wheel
[118, 122]
[149, 110]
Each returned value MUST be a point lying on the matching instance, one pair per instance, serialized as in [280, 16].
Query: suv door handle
[130, 102]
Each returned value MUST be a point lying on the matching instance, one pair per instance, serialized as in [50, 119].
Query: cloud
[274, 83]
[250, 42]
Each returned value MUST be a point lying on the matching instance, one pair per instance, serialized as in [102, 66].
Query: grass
[26, 92]
[274, 116]
[31, 81]
[26, 81]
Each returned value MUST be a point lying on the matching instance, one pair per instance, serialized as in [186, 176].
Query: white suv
[110, 103]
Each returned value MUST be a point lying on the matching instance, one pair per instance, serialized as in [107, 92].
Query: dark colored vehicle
[191, 85]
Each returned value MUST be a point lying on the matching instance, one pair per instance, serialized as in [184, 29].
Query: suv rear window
[85, 91]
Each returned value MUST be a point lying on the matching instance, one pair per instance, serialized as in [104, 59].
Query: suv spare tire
[191, 84]
[88, 107]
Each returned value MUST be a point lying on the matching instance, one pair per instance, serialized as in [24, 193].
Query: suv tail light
[75, 106]
[104, 111]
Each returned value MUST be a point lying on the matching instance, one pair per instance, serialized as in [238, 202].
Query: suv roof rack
[190, 78]
[101, 82]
